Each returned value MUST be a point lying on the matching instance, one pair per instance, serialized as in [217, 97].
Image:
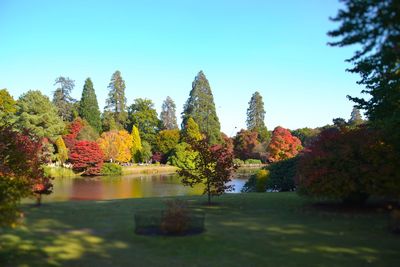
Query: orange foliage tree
[283, 145]
[116, 145]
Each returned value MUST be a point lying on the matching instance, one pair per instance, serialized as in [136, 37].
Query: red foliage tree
[213, 167]
[244, 144]
[87, 157]
[349, 164]
[283, 145]
[73, 130]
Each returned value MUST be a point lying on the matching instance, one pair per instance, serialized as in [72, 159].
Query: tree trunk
[38, 199]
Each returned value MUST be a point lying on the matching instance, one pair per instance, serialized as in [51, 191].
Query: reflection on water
[129, 186]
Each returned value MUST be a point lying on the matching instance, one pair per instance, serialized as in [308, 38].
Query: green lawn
[269, 229]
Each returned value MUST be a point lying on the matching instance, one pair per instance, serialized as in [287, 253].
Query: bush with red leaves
[87, 157]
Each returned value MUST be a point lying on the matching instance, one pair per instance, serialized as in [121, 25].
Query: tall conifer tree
[255, 117]
[62, 98]
[116, 101]
[88, 106]
[200, 106]
[168, 114]
[355, 117]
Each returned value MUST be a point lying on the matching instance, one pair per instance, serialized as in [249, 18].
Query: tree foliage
[116, 101]
[168, 115]
[145, 152]
[355, 117]
[191, 131]
[213, 168]
[8, 108]
[183, 156]
[87, 157]
[256, 116]
[143, 115]
[306, 135]
[88, 106]
[349, 164]
[283, 145]
[136, 150]
[245, 143]
[62, 98]
[116, 146]
[62, 151]
[21, 173]
[167, 140]
[37, 114]
[200, 106]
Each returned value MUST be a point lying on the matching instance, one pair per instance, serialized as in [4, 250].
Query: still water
[128, 186]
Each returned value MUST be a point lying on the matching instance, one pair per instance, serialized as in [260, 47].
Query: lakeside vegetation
[243, 229]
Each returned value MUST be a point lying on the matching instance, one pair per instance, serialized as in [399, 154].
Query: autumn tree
[74, 129]
[21, 172]
[256, 116]
[213, 168]
[245, 143]
[168, 115]
[116, 146]
[37, 114]
[62, 98]
[167, 140]
[373, 27]
[350, 164]
[200, 106]
[136, 148]
[88, 106]
[143, 115]
[283, 145]
[86, 157]
[8, 108]
[116, 101]
[62, 151]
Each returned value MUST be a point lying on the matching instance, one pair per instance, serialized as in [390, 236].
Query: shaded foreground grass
[270, 229]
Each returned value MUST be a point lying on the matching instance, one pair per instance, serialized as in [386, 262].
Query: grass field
[264, 229]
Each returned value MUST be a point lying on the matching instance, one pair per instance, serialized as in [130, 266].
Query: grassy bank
[275, 229]
[148, 169]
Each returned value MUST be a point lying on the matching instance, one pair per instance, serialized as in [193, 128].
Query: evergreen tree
[191, 131]
[168, 115]
[355, 117]
[200, 106]
[62, 98]
[256, 116]
[37, 114]
[88, 106]
[116, 101]
[136, 144]
[143, 115]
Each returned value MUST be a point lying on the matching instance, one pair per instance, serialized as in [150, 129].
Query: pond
[129, 186]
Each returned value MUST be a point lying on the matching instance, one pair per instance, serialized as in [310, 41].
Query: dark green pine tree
[200, 106]
[88, 106]
[116, 101]
[355, 117]
[168, 114]
[255, 117]
[62, 98]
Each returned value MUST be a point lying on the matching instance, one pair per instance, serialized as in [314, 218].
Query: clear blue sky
[276, 47]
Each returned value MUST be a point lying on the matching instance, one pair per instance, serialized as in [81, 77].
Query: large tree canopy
[7, 108]
[37, 114]
[88, 106]
[200, 106]
[62, 98]
[374, 26]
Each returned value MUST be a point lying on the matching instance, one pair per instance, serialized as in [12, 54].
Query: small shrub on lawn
[261, 180]
[111, 169]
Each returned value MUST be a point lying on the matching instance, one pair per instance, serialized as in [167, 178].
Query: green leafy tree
[88, 106]
[191, 131]
[37, 114]
[200, 106]
[8, 108]
[373, 26]
[143, 115]
[108, 122]
[306, 135]
[183, 156]
[167, 140]
[256, 116]
[355, 117]
[62, 98]
[62, 151]
[145, 152]
[136, 145]
[168, 114]
[116, 101]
